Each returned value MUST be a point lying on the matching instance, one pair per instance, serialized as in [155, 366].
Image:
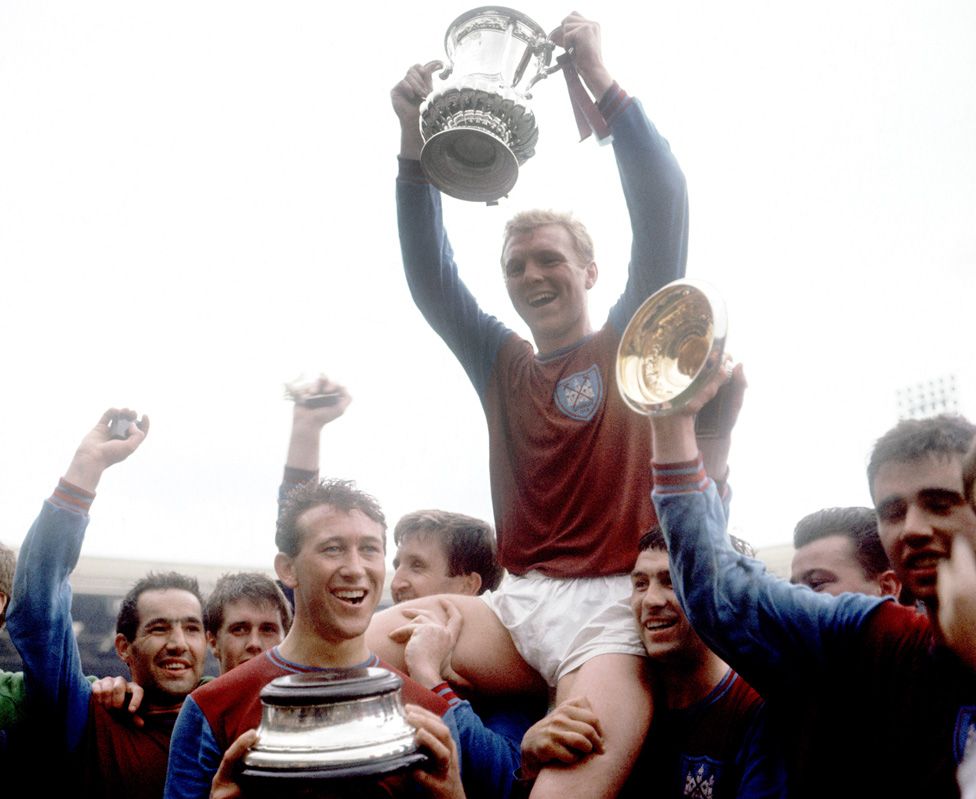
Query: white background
[196, 205]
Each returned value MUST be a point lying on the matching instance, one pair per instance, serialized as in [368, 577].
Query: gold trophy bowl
[672, 346]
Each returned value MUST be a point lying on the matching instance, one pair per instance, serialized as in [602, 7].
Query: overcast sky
[196, 205]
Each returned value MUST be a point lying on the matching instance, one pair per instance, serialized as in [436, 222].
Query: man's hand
[315, 417]
[224, 784]
[406, 97]
[674, 433]
[98, 450]
[582, 36]
[571, 732]
[442, 776]
[116, 693]
[430, 643]
[308, 420]
[956, 589]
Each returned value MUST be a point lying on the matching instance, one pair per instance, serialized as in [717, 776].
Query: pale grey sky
[196, 204]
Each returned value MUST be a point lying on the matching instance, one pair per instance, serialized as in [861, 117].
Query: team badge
[579, 395]
[965, 736]
[701, 776]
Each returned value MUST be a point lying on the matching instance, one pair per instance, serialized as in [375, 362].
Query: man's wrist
[84, 473]
[597, 79]
[674, 438]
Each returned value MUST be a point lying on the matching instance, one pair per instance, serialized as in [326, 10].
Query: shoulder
[237, 685]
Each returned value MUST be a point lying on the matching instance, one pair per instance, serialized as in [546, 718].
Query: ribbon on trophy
[588, 117]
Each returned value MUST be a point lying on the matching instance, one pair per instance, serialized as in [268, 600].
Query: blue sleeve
[490, 756]
[40, 621]
[432, 276]
[194, 755]
[761, 763]
[768, 630]
[657, 200]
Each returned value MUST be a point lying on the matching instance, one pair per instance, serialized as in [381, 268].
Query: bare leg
[619, 693]
[484, 656]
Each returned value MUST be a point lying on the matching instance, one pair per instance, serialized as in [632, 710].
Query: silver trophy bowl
[333, 726]
[477, 127]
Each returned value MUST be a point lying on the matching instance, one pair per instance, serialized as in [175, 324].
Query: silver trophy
[343, 727]
[477, 127]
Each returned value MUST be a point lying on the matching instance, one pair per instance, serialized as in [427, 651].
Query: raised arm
[40, 614]
[428, 260]
[653, 184]
[317, 403]
[769, 631]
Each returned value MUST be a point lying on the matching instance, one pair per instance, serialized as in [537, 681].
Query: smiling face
[829, 565]
[248, 630]
[422, 570]
[663, 627]
[166, 656]
[920, 508]
[547, 281]
[337, 575]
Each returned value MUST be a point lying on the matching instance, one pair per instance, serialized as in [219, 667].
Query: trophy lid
[497, 17]
[329, 686]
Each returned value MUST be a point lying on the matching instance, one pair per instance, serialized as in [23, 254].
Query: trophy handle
[544, 46]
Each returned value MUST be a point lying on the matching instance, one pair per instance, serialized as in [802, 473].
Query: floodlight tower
[928, 398]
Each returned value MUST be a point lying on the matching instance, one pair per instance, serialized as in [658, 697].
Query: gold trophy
[672, 347]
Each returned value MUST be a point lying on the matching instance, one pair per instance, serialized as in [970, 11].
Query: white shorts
[559, 623]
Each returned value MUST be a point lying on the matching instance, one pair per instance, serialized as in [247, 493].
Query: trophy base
[470, 164]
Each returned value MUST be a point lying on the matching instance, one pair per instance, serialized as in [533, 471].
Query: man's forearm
[674, 438]
[40, 615]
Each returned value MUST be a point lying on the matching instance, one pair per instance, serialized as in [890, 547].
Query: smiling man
[567, 458]
[865, 696]
[440, 552]
[709, 735]
[159, 636]
[331, 554]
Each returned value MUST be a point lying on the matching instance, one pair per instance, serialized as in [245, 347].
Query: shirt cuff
[684, 477]
[613, 103]
[68, 496]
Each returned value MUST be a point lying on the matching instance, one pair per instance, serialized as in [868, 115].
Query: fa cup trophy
[477, 127]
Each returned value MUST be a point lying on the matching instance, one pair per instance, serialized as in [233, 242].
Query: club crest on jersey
[579, 395]
[701, 776]
[965, 736]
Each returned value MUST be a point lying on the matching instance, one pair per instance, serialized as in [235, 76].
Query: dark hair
[468, 543]
[654, 539]
[339, 494]
[253, 587]
[911, 439]
[860, 525]
[128, 619]
[8, 564]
